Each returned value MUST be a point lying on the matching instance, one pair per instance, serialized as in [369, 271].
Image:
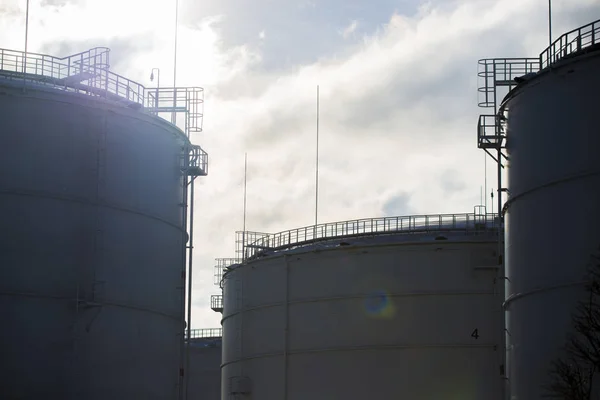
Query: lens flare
[378, 304]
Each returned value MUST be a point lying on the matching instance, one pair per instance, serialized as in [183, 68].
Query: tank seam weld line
[362, 348]
[548, 184]
[318, 299]
[517, 296]
[91, 303]
[88, 202]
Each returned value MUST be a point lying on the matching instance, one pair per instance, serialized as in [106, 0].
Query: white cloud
[262, 35]
[349, 30]
[398, 110]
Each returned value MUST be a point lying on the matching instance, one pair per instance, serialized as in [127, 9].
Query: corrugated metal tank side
[355, 322]
[553, 215]
[91, 247]
[205, 371]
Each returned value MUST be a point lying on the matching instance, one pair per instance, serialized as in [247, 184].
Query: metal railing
[205, 333]
[496, 72]
[504, 72]
[216, 302]
[571, 42]
[165, 101]
[194, 161]
[42, 65]
[88, 73]
[468, 223]
[223, 263]
[491, 134]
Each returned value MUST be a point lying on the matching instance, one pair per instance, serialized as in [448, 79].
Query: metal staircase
[494, 74]
[504, 74]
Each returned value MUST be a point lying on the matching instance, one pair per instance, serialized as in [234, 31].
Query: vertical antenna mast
[245, 184]
[244, 226]
[317, 169]
[26, 35]
[173, 115]
[550, 22]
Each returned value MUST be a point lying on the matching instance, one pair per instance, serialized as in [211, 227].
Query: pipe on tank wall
[190, 248]
[183, 270]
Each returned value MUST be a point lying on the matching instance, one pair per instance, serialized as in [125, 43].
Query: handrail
[569, 43]
[216, 301]
[469, 223]
[205, 333]
[88, 72]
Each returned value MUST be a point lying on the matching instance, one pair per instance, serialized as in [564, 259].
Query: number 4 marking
[475, 334]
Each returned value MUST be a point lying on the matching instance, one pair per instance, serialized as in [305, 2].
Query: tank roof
[89, 73]
[381, 230]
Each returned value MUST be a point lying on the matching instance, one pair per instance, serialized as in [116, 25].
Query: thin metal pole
[549, 23]
[189, 278]
[182, 372]
[244, 227]
[317, 166]
[157, 87]
[26, 36]
[245, 185]
[173, 114]
[485, 178]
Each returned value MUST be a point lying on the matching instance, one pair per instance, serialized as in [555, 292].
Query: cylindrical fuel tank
[204, 374]
[553, 213]
[91, 248]
[401, 316]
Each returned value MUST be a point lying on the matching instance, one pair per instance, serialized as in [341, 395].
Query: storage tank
[204, 373]
[399, 307]
[92, 234]
[552, 215]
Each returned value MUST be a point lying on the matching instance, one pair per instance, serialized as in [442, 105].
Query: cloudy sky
[398, 98]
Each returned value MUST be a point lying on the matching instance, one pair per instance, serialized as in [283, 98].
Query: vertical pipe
[26, 36]
[183, 268]
[502, 272]
[549, 23]
[245, 184]
[190, 248]
[485, 180]
[173, 114]
[317, 169]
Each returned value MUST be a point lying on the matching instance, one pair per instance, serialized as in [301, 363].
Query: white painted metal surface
[205, 368]
[91, 248]
[371, 318]
[552, 220]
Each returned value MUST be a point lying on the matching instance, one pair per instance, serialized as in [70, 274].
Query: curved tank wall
[553, 215]
[205, 369]
[91, 247]
[374, 318]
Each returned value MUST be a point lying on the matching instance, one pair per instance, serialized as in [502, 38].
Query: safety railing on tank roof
[571, 42]
[468, 223]
[222, 264]
[205, 333]
[495, 72]
[37, 65]
[216, 302]
[88, 73]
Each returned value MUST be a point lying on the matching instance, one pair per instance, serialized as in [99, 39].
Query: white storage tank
[204, 373]
[92, 234]
[553, 213]
[404, 307]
